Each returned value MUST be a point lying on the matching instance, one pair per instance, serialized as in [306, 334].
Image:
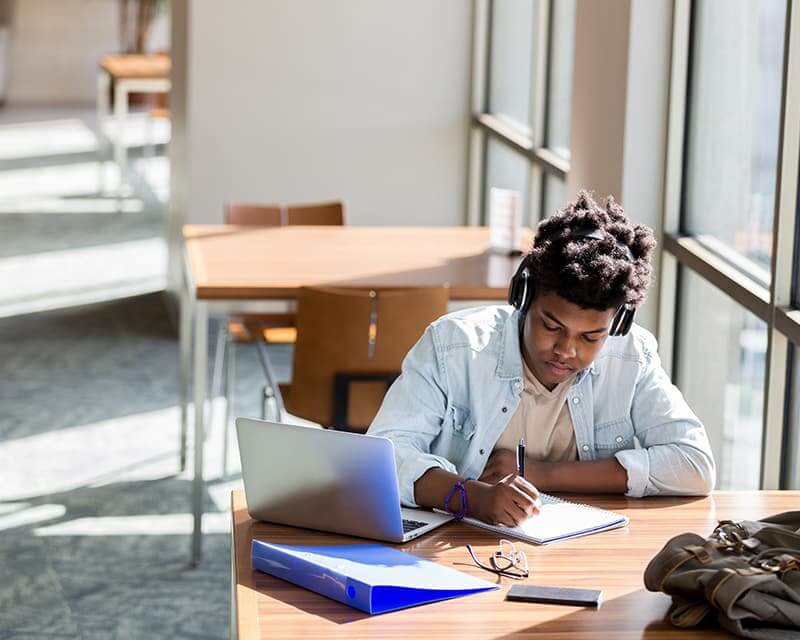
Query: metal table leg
[233, 628]
[103, 87]
[120, 118]
[199, 380]
[185, 361]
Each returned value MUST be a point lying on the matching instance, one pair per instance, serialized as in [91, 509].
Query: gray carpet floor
[94, 512]
[90, 545]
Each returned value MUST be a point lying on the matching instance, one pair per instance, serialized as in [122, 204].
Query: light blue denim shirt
[461, 384]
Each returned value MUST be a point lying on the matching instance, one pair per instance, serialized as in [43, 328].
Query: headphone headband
[521, 291]
[599, 234]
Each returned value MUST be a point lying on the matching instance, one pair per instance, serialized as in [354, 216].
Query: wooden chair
[350, 346]
[326, 213]
[259, 215]
[276, 328]
[273, 328]
[269, 215]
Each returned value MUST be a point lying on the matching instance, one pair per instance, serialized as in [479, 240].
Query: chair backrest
[269, 215]
[324, 213]
[265, 215]
[350, 346]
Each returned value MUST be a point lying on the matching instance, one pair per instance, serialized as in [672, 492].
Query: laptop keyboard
[411, 525]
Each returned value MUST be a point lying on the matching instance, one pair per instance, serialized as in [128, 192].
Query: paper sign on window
[505, 231]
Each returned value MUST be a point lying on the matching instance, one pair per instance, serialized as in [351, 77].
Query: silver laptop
[328, 480]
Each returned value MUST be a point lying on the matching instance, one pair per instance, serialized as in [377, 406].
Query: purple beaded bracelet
[458, 486]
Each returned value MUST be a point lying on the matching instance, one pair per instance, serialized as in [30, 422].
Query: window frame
[543, 162]
[773, 303]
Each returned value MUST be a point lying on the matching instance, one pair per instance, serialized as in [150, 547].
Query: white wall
[304, 100]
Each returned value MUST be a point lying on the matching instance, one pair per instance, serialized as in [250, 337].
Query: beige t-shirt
[543, 419]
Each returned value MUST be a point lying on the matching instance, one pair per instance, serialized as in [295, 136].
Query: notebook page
[558, 520]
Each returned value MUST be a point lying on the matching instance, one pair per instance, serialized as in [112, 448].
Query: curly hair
[592, 273]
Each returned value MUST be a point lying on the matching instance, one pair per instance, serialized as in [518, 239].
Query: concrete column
[619, 109]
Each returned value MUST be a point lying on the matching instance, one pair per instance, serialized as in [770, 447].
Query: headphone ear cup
[520, 289]
[630, 315]
[513, 291]
[616, 322]
[527, 293]
[623, 320]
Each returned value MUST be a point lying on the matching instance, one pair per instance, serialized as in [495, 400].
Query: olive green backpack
[745, 574]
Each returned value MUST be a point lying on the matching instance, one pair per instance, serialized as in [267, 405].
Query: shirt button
[504, 409]
[619, 438]
[481, 451]
[518, 386]
[576, 400]
[585, 447]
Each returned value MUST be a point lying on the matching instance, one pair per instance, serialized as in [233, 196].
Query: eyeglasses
[507, 562]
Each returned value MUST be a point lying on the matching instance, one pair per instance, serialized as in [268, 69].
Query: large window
[512, 61]
[733, 123]
[508, 170]
[559, 76]
[522, 86]
[721, 354]
[730, 214]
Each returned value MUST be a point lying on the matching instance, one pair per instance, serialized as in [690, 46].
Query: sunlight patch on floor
[77, 179]
[34, 515]
[66, 459]
[175, 524]
[47, 138]
[78, 205]
[69, 277]
[133, 448]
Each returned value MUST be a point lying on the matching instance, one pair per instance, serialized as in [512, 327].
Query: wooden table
[130, 73]
[614, 561]
[230, 269]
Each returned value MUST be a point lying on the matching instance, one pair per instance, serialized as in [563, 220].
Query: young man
[564, 368]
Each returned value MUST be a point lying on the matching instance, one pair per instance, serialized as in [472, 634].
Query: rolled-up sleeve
[412, 412]
[675, 457]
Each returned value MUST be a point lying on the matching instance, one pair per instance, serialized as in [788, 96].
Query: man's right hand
[510, 501]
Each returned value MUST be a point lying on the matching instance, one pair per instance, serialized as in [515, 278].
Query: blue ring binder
[373, 578]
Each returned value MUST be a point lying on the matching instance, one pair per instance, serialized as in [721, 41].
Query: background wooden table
[228, 261]
[613, 561]
[129, 73]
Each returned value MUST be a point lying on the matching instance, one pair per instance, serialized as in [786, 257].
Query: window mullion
[538, 102]
[668, 275]
[476, 162]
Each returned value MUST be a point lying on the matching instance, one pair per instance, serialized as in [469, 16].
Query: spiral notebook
[558, 520]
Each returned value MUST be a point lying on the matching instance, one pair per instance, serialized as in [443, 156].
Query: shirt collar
[509, 363]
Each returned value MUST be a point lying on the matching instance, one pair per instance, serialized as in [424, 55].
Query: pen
[521, 457]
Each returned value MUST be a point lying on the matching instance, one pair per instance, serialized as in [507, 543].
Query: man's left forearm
[591, 476]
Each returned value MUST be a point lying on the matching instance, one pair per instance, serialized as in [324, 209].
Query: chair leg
[265, 397]
[271, 390]
[149, 150]
[182, 456]
[230, 384]
[217, 373]
[269, 405]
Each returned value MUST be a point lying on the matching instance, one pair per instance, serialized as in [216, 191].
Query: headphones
[521, 291]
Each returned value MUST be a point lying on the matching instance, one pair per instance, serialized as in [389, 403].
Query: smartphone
[555, 595]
